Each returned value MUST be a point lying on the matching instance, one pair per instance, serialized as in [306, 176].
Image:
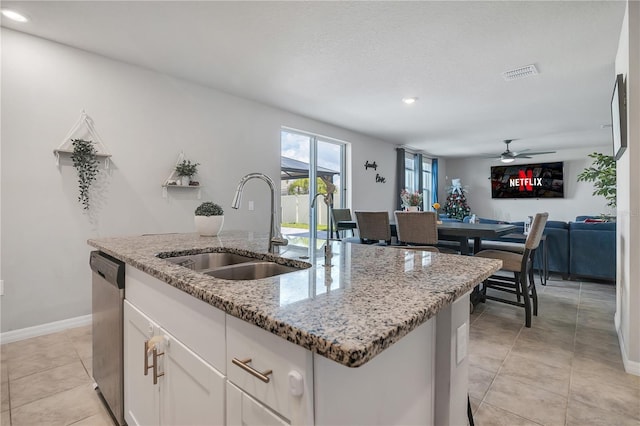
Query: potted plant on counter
[209, 219]
[185, 170]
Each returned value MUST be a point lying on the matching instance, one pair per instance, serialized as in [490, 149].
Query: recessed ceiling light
[14, 16]
[409, 101]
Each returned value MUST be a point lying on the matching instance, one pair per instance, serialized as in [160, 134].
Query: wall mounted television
[540, 180]
[619, 117]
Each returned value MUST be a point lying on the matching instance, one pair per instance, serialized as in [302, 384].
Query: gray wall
[628, 176]
[145, 119]
[578, 200]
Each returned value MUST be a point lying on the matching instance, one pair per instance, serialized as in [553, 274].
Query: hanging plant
[86, 164]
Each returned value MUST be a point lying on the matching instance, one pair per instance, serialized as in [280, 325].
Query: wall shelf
[83, 128]
[166, 187]
[173, 177]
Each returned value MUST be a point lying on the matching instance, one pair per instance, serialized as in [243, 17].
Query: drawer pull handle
[155, 365]
[242, 363]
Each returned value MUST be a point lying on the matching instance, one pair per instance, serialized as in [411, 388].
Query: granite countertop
[349, 312]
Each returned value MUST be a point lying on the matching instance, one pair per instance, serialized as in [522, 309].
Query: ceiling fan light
[507, 159]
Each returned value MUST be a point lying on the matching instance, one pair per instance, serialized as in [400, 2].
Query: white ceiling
[351, 63]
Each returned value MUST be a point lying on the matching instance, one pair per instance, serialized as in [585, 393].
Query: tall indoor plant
[602, 173]
[85, 162]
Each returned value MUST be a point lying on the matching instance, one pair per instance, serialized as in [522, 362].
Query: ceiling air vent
[519, 73]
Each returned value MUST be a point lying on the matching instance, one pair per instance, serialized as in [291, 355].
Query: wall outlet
[461, 343]
[251, 206]
[1, 287]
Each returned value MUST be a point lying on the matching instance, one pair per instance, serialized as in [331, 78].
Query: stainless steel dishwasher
[107, 309]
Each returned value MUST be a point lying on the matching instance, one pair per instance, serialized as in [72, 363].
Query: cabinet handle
[146, 358]
[155, 365]
[242, 363]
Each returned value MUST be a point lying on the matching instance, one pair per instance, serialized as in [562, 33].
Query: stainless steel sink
[208, 261]
[251, 271]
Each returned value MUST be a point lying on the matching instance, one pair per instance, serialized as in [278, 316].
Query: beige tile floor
[565, 370]
[46, 381]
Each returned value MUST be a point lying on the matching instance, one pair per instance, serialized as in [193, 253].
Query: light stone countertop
[367, 300]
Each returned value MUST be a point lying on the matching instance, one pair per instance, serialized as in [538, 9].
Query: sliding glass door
[312, 167]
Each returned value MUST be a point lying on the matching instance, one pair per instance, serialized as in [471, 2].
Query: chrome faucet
[313, 202]
[275, 237]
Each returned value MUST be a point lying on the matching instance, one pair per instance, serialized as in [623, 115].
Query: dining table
[460, 232]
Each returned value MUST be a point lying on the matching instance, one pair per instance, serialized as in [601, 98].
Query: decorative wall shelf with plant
[84, 147]
[181, 176]
[84, 130]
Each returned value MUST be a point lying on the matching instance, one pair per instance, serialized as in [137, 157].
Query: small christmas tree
[456, 206]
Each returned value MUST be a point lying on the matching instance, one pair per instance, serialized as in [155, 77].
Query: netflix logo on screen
[542, 180]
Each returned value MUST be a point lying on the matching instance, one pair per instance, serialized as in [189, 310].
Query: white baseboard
[41, 330]
[631, 367]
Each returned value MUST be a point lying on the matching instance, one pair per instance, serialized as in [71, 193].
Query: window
[427, 186]
[417, 173]
[410, 177]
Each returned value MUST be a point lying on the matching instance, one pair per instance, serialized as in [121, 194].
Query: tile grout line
[509, 353]
[482, 401]
[495, 377]
[573, 354]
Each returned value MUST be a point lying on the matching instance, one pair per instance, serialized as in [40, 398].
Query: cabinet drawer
[270, 352]
[242, 410]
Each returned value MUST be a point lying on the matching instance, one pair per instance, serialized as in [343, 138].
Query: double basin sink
[232, 266]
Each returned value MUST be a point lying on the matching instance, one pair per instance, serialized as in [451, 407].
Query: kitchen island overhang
[349, 312]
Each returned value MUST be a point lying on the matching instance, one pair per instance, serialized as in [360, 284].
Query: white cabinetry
[179, 387]
[141, 397]
[192, 391]
[242, 410]
[286, 385]
[421, 379]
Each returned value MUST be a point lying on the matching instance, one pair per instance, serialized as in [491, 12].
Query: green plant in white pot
[185, 170]
[209, 219]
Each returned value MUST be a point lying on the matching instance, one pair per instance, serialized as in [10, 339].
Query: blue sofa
[575, 249]
[592, 250]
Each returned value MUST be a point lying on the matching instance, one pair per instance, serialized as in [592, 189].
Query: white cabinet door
[141, 397]
[192, 391]
[242, 410]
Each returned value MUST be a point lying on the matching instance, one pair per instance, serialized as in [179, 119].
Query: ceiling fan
[509, 156]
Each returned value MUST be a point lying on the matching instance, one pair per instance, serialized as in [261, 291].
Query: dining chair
[340, 215]
[522, 285]
[373, 227]
[417, 228]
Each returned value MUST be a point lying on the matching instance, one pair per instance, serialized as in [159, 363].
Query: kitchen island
[374, 308]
